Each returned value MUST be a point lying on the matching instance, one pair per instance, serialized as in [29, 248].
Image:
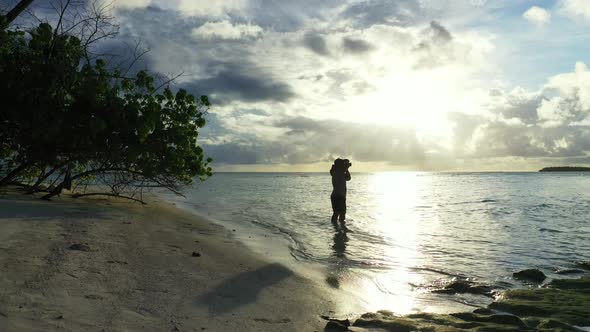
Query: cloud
[437, 47]
[537, 16]
[226, 30]
[370, 12]
[124, 4]
[553, 122]
[306, 140]
[207, 8]
[356, 46]
[234, 82]
[316, 43]
[572, 104]
[439, 34]
[301, 82]
[517, 104]
[575, 8]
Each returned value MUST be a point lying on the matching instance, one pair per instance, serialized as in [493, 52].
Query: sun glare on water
[397, 197]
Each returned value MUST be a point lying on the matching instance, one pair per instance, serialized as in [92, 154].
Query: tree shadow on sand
[243, 289]
[26, 208]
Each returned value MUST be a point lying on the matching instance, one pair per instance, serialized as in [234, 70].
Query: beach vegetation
[69, 120]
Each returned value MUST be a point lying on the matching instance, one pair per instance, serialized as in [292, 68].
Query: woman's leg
[334, 202]
[342, 210]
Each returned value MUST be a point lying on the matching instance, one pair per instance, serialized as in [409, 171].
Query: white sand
[139, 274]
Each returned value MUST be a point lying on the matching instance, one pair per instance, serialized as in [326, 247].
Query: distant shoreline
[565, 169]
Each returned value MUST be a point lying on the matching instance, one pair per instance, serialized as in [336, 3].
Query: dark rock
[533, 275]
[569, 271]
[582, 283]
[496, 319]
[59, 317]
[344, 322]
[333, 281]
[552, 324]
[483, 311]
[464, 286]
[520, 309]
[79, 247]
[583, 265]
[196, 254]
[334, 326]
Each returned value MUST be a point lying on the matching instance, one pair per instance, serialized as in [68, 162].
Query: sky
[414, 85]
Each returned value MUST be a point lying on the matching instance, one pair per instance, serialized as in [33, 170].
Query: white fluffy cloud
[226, 30]
[208, 8]
[537, 16]
[129, 4]
[575, 8]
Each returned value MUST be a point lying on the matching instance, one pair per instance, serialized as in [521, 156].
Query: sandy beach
[103, 265]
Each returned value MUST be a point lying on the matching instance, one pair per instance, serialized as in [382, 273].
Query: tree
[16, 11]
[69, 120]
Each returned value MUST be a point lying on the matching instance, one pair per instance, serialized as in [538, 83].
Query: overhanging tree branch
[17, 10]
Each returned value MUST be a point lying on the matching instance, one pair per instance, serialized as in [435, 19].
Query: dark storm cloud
[241, 82]
[226, 70]
[316, 43]
[356, 46]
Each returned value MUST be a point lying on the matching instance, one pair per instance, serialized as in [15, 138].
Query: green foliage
[80, 119]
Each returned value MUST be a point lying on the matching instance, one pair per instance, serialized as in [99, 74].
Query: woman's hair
[337, 166]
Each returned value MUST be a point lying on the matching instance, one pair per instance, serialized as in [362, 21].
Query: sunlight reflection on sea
[407, 231]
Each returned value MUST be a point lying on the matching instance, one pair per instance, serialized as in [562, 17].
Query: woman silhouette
[340, 175]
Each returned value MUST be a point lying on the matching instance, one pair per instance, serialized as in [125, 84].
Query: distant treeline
[565, 169]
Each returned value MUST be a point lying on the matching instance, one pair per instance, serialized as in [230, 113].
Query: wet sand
[104, 265]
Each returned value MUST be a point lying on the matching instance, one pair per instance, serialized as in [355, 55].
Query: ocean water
[409, 231]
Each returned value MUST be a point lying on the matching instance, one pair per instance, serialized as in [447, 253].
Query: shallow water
[411, 229]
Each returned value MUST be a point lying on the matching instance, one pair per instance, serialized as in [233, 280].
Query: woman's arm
[347, 175]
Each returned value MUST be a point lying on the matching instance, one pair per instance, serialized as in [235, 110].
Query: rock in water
[335, 326]
[569, 271]
[79, 247]
[583, 265]
[464, 286]
[533, 275]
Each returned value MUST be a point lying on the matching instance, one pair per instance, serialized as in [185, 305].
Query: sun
[418, 99]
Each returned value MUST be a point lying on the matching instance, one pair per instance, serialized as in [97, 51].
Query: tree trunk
[17, 10]
[40, 180]
[15, 172]
[54, 192]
